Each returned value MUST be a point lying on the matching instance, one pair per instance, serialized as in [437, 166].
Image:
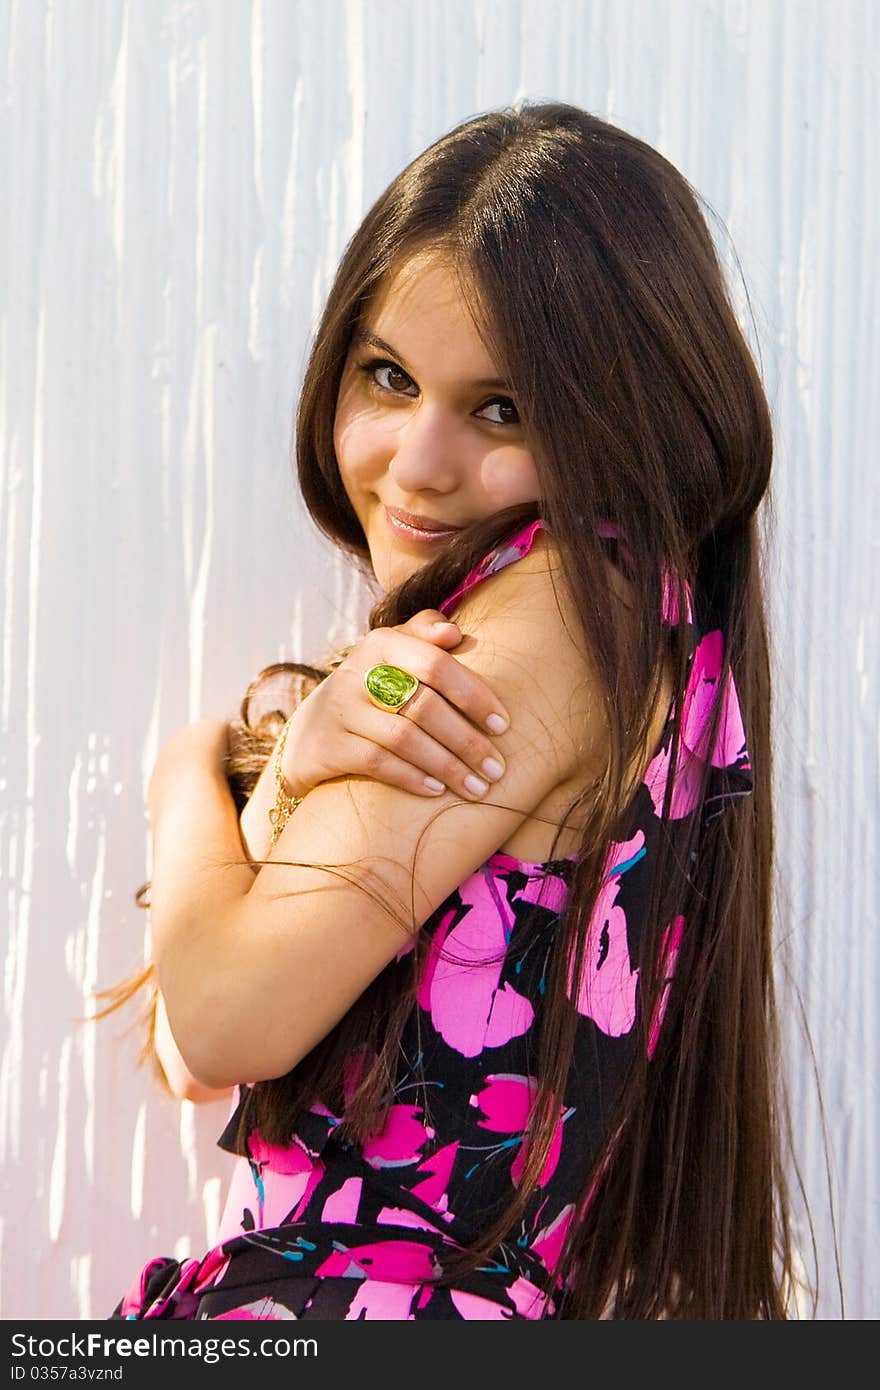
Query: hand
[337, 731]
[205, 742]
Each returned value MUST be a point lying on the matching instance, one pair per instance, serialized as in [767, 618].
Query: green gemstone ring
[389, 687]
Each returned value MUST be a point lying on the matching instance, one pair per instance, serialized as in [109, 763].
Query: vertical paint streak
[291, 196]
[18, 959]
[91, 936]
[12, 57]
[357, 96]
[81, 1284]
[118, 106]
[254, 298]
[187, 1134]
[89, 1046]
[201, 177]
[204, 445]
[9, 485]
[258, 40]
[138, 1161]
[213, 1197]
[183, 1248]
[88, 981]
[151, 739]
[172, 80]
[8, 534]
[73, 795]
[58, 1171]
[8, 1082]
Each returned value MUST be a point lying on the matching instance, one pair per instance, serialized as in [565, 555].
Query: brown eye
[396, 378]
[507, 408]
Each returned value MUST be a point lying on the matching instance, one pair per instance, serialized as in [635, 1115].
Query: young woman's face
[423, 425]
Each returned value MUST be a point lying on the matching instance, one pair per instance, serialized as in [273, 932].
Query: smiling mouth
[401, 526]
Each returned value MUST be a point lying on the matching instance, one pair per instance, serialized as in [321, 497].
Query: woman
[512, 1055]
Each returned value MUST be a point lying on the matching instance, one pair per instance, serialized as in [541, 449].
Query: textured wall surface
[179, 178]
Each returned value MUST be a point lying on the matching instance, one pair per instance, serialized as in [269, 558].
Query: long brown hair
[594, 280]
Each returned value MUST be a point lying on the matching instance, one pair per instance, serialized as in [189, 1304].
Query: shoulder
[532, 587]
[523, 597]
[523, 634]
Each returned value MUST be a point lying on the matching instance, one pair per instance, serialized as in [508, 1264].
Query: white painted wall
[178, 181]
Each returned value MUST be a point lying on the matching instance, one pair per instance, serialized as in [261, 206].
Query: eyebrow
[362, 338]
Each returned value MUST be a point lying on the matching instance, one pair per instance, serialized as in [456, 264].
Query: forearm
[255, 970]
[199, 873]
[199, 861]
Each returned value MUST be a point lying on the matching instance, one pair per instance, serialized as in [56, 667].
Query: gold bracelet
[285, 804]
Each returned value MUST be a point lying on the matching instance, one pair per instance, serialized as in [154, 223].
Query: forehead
[424, 275]
[423, 302]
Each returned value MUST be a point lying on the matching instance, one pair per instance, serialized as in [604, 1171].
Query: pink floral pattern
[323, 1228]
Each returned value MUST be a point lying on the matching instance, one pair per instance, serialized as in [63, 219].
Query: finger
[431, 626]
[435, 739]
[374, 760]
[448, 677]
[425, 618]
[468, 760]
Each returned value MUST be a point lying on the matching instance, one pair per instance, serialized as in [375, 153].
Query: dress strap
[504, 554]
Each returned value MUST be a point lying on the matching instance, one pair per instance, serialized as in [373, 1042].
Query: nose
[424, 456]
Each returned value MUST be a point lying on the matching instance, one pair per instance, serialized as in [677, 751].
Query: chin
[391, 569]
[390, 575]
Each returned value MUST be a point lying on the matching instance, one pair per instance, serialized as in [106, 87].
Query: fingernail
[433, 785]
[475, 785]
[496, 723]
[493, 769]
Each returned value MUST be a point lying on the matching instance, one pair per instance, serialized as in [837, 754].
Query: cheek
[360, 439]
[509, 476]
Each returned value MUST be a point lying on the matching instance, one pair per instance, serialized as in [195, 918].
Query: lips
[425, 524]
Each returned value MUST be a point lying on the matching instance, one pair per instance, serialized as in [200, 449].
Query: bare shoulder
[522, 629]
[525, 590]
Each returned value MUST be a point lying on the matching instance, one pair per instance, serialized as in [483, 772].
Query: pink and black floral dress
[325, 1229]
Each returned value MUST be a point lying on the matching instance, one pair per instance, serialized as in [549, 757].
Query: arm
[255, 826]
[181, 1081]
[256, 837]
[256, 971]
